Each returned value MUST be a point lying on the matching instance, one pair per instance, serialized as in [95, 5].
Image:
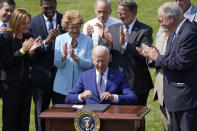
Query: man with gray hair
[189, 11]
[179, 66]
[123, 38]
[101, 85]
[95, 27]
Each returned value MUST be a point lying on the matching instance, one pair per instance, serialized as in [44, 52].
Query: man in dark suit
[179, 66]
[48, 26]
[123, 38]
[101, 84]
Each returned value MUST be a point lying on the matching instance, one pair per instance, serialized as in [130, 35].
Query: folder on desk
[95, 107]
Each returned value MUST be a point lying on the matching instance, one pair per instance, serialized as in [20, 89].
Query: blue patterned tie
[100, 83]
[50, 25]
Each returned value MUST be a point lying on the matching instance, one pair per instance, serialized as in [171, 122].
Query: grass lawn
[147, 13]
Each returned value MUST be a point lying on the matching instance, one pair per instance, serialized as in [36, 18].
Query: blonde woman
[16, 47]
[73, 55]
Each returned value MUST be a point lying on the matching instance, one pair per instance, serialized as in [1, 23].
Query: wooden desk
[115, 118]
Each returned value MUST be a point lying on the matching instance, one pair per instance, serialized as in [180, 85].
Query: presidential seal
[87, 121]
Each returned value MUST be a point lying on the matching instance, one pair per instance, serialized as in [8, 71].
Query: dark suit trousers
[42, 97]
[16, 106]
[183, 120]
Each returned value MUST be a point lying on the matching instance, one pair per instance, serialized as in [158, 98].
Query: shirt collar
[1, 23]
[105, 24]
[54, 17]
[188, 12]
[130, 26]
[179, 26]
[104, 74]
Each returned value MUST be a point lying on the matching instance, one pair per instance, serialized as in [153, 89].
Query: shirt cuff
[124, 46]
[115, 100]
[45, 45]
[79, 98]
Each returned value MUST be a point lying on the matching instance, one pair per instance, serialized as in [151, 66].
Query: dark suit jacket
[116, 84]
[180, 72]
[14, 66]
[129, 60]
[43, 65]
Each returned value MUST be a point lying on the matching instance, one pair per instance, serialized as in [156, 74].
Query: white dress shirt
[129, 30]
[1, 25]
[54, 21]
[95, 34]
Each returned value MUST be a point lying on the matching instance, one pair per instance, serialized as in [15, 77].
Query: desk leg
[140, 125]
[48, 126]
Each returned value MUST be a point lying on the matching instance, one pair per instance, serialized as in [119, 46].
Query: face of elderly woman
[74, 30]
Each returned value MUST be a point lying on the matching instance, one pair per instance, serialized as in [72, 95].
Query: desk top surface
[121, 112]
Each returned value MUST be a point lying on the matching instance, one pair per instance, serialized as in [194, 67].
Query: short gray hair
[130, 4]
[171, 9]
[100, 48]
[106, 1]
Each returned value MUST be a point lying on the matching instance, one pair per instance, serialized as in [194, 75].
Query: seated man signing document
[101, 85]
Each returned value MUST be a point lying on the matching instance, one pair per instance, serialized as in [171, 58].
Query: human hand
[86, 94]
[107, 96]
[53, 34]
[65, 51]
[108, 37]
[3, 29]
[148, 52]
[90, 30]
[37, 43]
[27, 44]
[73, 56]
[101, 29]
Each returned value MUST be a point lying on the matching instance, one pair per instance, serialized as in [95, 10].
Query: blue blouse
[68, 71]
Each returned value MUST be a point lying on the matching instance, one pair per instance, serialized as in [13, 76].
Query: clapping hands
[29, 45]
[148, 52]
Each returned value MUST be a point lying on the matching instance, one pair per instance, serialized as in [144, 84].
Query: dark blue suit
[180, 73]
[43, 69]
[116, 84]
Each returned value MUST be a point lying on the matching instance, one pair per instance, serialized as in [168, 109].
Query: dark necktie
[101, 83]
[4, 25]
[50, 25]
[174, 35]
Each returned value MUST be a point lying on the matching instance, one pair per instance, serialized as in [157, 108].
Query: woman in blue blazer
[73, 55]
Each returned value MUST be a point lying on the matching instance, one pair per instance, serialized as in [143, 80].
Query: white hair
[171, 9]
[100, 49]
[106, 1]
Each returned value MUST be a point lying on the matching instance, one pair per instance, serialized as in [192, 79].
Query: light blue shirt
[68, 71]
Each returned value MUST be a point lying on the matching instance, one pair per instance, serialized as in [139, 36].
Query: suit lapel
[109, 79]
[169, 44]
[93, 83]
[134, 31]
[172, 43]
[43, 25]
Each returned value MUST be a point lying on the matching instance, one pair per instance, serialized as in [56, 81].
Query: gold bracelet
[22, 52]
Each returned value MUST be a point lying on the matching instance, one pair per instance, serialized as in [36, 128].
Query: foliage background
[147, 13]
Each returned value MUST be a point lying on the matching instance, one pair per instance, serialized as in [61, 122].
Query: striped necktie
[127, 34]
